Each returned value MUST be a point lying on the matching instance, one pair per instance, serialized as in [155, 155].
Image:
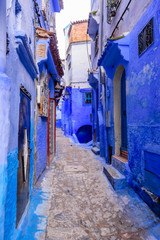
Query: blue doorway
[84, 134]
[124, 142]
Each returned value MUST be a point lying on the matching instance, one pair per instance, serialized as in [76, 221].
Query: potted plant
[113, 5]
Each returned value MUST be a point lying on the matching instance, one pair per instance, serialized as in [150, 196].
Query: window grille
[145, 38]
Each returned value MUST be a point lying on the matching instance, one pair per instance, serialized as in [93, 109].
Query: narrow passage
[85, 207]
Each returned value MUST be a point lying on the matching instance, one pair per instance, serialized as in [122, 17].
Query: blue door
[124, 142]
[23, 154]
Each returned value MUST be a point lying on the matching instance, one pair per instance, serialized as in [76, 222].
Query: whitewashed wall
[80, 54]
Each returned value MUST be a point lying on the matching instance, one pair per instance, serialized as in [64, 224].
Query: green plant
[94, 13]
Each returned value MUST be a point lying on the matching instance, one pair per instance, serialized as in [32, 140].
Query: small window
[88, 98]
[145, 38]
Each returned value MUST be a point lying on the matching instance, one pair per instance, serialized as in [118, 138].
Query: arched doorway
[120, 113]
[84, 134]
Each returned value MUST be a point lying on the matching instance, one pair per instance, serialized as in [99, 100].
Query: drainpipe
[4, 116]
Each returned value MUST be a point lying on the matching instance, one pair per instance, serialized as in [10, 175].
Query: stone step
[117, 180]
[95, 150]
[119, 163]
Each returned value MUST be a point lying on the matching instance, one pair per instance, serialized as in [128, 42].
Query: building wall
[4, 115]
[66, 72]
[143, 119]
[130, 18]
[80, 55]
[78, 32]
[144, 98]
[80, 111]
[18, 75]
[76, 75]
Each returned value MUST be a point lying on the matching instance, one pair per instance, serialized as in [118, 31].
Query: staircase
[116, 172]
[96, 149]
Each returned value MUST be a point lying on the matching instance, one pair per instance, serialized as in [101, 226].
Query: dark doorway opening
[84, 134]
[124, 142]
[23, 154]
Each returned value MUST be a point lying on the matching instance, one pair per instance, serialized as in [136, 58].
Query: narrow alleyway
[84, 205]
[73, 200]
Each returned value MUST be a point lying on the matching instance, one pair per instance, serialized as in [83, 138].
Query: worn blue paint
[3, 185]
[18, 7]
[51, 88]
[11, 195]
[78, 107]
[35, 219]
[41, 145]
[142, 102]
[144, 96]
[25, 53]
[4, 133]
[72, 109]
[32, 145]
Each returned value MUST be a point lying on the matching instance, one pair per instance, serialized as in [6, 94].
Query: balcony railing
[112, 6]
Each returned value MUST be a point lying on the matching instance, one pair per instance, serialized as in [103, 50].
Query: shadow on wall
[84, 134]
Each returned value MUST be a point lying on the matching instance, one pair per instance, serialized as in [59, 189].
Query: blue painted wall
[143, 97]
[75, 113]
[143, 105]
[18, 74]
[67, 113]
[41, 145]
[80, 111]
[11, 197]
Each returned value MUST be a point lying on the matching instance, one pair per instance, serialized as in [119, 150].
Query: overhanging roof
[52, 57]
[92, 27]
[115, 51]
[25, 53]
[93, 81]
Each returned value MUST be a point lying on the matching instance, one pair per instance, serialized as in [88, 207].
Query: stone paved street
[83, 205]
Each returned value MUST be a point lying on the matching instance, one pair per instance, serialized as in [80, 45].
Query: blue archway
[84, 134]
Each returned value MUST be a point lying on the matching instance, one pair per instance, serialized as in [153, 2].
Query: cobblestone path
[85, 207]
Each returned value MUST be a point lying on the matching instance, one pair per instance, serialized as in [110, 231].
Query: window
[87, 98]
[145, 38]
